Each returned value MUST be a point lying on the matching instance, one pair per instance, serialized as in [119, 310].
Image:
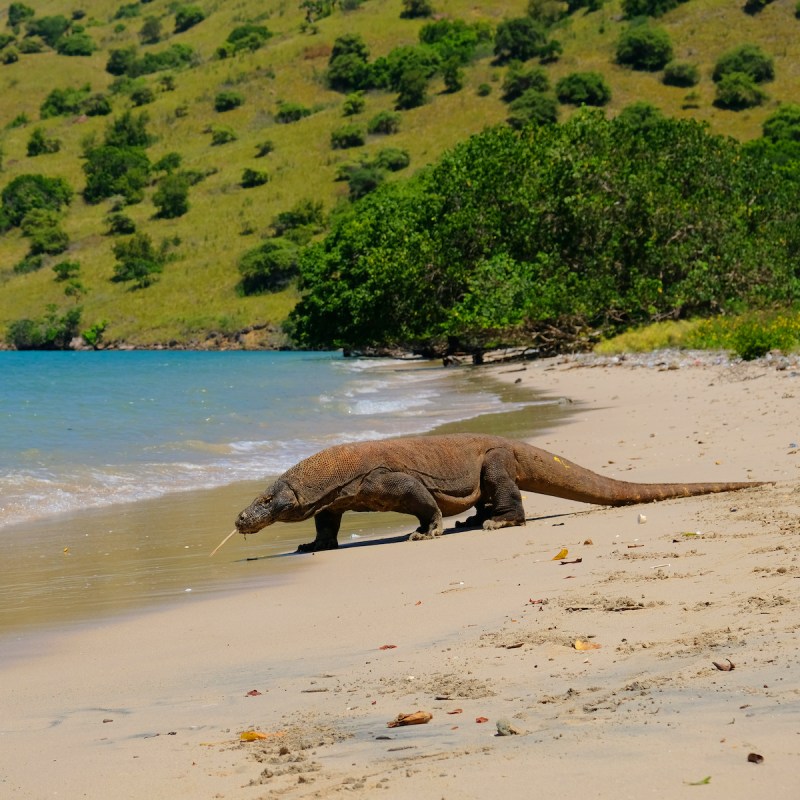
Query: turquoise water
[87, 430]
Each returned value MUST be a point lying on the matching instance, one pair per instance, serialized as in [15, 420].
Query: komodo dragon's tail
[546, 473]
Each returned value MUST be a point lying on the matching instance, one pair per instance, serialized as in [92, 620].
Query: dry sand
[484, 626]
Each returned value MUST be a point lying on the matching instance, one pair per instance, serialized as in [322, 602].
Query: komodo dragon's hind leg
[327, 523]
[499, 490]
[483, 512]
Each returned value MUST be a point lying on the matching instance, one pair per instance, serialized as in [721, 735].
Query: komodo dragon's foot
[474, 521]
[496, 524]
[431, 532]
[316, 546]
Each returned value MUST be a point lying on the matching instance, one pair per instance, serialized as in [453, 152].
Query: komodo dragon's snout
[434, 476]
[278, 504]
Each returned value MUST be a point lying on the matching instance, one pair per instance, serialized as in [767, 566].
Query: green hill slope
[197, 291]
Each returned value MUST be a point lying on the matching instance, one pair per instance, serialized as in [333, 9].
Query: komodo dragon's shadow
[401, 538]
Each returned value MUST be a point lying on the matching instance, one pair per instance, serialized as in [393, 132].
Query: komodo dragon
[435, 476]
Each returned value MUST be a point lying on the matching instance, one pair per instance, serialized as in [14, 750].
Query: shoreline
[153, 706]
[93, 557]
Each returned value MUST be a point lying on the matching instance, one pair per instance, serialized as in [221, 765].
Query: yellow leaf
[252, 736]
[581, 645]
[562, 554]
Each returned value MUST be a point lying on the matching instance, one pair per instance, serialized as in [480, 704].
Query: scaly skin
[432, 477]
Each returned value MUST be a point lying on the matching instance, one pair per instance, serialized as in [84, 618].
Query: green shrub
[27, 193]
[50, 29]
[754, 7]
[252, 178]
[291, 112]
[142, 96]
[66, 270]
[171, 198]
[63, 101]
[519, 39]
[30, 263]
[363, 180]
[353, 104]
[304, 214]
[679, 73]
[783, 123]
[127, 11]
[640, 115]
[39, 144]
[750, 335]
[264, 148]
[347, 136]
[18, 13]
[392, 158]
[222, 135]
[138, 261]
[737, 91]
[128, 130]
[54, 331]
[78, 44]
[414, 9]
[227, 101]
[452, 75]
[648, 8]
[168, 163]
[150, 32]
[111, 171]
[412, 89]
[749, 59]
[31, 46]
[244, 37]
[348, 72]
[187, 17]
[125, 61]
[10, 56]
[385, 122]
[120, 224]
[483, 90]
[532, 107]
[41, 227]
[644, 48]
[519, 80]
[583, 88]
[269, 267]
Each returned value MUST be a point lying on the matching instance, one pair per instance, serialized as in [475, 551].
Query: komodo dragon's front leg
[380, 490]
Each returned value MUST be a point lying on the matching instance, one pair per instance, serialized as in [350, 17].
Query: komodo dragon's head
[279, 503]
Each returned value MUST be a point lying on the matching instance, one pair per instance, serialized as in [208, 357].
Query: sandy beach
[657, 657]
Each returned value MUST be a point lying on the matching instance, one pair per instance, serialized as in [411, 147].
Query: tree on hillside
[644, 48]
[187, 17]
[26, 193]
[413, 9]
[583, 89]
[519, 39]
[150, 32]
[49, 29]
[737, 91]
[114, 171]
[171, 198]
[18, 13]
[138, 261]
[749, 59]
[648, 8]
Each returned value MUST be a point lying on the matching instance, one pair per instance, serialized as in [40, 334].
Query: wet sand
[484, 626]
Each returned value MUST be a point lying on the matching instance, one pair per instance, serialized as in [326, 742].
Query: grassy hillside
[197, 291]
